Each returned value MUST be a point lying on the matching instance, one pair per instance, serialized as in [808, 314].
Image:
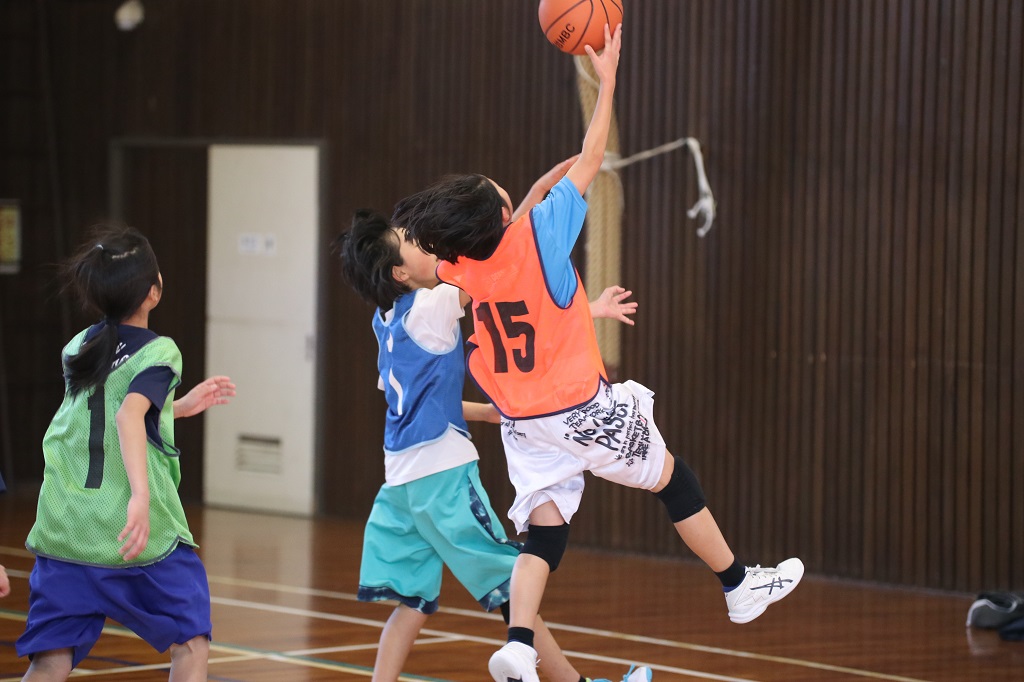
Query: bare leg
[700, 532]
[551, 660]
[49, 666]
[530, 573]
[396, 641]
[190, 660]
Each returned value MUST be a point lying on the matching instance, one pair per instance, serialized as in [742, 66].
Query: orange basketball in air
[571, 24]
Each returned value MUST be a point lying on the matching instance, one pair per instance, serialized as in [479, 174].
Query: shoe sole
[504, 670]
[751, 615]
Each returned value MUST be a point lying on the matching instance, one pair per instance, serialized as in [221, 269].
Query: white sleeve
[433, 320]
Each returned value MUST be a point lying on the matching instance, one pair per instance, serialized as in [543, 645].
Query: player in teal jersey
[433, 510]
[110, 536]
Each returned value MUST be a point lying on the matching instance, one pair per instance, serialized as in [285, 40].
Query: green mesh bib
[84, 498]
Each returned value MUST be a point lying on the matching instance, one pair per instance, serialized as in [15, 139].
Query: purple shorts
[163, 603]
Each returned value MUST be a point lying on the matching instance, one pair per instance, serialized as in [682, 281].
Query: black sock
[583, 679]
[524, 635]
[732, 576]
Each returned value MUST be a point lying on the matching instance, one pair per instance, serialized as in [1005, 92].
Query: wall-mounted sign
[10, 236]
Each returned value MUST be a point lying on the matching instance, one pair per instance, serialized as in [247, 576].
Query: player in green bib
[110, 537]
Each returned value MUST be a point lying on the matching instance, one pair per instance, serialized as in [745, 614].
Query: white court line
[290, 657]
[364, 647]
[238, 582]
[497, 643]
[80, 672]
[348, 596]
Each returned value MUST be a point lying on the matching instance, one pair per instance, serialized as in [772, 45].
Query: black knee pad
[506, 613]
[683, 496]
[548, 543]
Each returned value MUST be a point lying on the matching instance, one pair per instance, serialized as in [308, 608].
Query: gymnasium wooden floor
[284, 609]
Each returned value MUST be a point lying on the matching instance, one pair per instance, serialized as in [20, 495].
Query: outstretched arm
[217, 390]
[605, 64]
[480, 412]
[543, 185]
[610, 304]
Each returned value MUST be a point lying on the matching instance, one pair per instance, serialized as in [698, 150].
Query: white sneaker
[761, 587]
[514, 662]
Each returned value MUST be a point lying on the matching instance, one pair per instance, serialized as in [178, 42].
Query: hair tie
[99, 246]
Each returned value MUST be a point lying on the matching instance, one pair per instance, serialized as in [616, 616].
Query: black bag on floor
[1013, 631]
[994, 610]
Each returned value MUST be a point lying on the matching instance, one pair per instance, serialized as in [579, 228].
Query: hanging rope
[604, 222]
[605, 200]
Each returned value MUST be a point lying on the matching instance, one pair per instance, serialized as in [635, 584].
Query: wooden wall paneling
[165, 198]
[798, 512]
[985, 246]
[999, 309]
[795, 294]
[872, 59]
[944, 540]
[700, 380]
[838, 359]
[819, 526]
[928, 371]
[906, 264]
[862, 368]
[834, 454]
[776, 416]
[979, 403]
[970, 458]
[921, 158]
[845, 239]
[1003, 169]
[1017, 368]
[759, 286]
[889, 362]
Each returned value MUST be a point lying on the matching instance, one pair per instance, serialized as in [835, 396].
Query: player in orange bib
[536, 358]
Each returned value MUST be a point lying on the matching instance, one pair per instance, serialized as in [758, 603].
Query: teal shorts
[416, 528]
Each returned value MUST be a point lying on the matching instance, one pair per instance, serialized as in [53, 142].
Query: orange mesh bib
[530, 357]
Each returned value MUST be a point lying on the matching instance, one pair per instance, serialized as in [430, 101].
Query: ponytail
[91, 364]
[112, 275]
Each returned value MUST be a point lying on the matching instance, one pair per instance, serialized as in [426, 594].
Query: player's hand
[612, 304]
[217, 390]
[607, 63]
[135, 535]
[5, 583]
[551, 178]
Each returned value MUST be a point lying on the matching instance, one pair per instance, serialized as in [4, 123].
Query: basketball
[569, 25]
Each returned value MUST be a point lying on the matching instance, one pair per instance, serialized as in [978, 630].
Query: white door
[261, 325]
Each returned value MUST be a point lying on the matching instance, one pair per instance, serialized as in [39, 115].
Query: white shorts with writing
[613, 436]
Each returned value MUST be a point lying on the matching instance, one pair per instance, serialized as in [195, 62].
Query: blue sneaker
[634, 674]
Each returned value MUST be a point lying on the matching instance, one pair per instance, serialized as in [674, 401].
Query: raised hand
[607, 62]
[217, 390]
[610, 305]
